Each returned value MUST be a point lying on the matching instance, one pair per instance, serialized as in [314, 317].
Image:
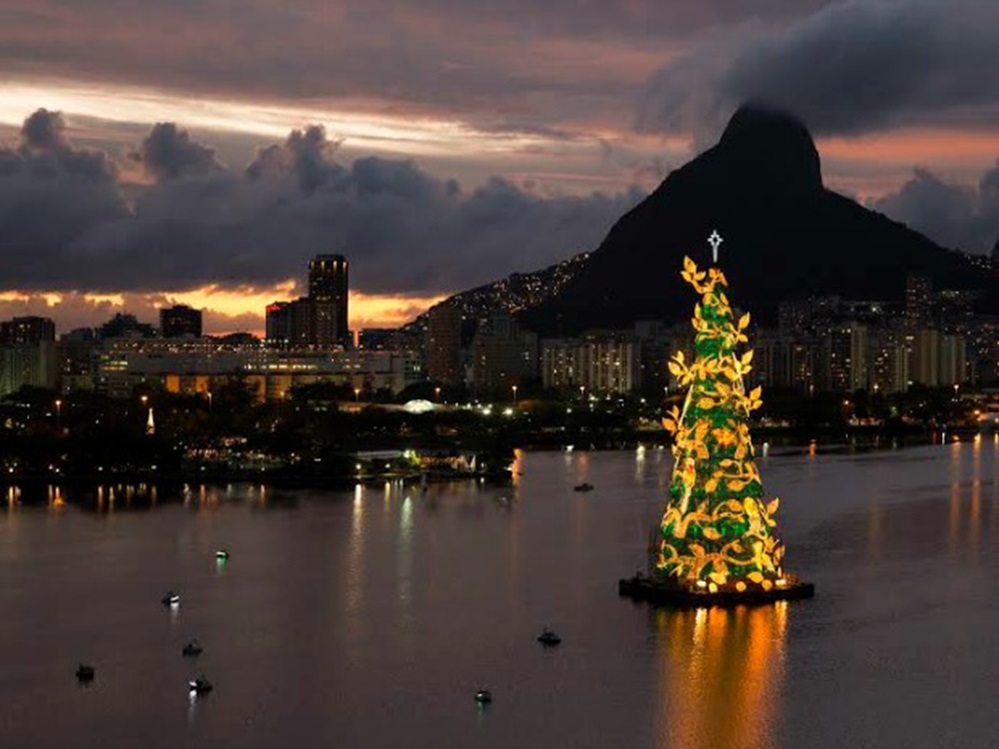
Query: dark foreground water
[369, 618]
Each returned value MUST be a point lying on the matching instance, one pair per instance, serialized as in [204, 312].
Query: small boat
[85, 672]
[193, 649]
[584, 487]
[201, 685]
[483, 696]
[222, 555]
[547, 637]
[170, 599]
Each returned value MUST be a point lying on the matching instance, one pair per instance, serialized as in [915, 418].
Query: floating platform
[644, 588]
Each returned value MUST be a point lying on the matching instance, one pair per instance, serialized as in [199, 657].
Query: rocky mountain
[785, 237]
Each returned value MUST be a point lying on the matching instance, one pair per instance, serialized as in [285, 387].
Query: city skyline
[442, 160]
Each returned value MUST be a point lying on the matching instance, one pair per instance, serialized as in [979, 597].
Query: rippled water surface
[369, 618]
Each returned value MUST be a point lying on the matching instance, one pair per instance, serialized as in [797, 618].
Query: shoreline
[786, 445]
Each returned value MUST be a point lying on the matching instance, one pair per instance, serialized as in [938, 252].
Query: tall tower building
[443, 345]
[918, 302]
[27, 353]
[180, 321]
[29, 329]
[328, 288]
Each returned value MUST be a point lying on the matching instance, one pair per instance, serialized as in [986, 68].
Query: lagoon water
[369, 618]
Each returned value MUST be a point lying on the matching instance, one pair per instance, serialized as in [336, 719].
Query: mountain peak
[772, 144]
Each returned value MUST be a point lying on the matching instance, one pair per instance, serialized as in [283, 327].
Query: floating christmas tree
[717, 541]
[717, 532]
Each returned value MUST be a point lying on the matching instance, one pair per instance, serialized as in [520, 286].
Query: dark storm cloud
[957, 216]
[169, 152]
[851, 67]
[51, 194]
[404, 230]
[44, 147]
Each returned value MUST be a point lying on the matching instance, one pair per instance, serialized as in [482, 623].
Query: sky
[200, 151]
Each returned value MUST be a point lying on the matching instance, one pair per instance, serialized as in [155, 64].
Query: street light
[514, 388]
[209, 394]
[437, 394]
[58, 405]
[357, 394]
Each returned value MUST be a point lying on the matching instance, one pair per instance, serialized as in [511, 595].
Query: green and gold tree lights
[717, 533]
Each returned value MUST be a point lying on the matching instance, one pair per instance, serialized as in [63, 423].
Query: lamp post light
[437, 394]
[514, 389]
[209, 394]
[58, 406]
[357, 394]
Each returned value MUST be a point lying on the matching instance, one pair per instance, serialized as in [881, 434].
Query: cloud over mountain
[959, 216]
[850, 67]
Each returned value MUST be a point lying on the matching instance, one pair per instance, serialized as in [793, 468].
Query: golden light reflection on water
[721, 673]
[355, 569]
[55, 497]
[516, 468]
[404, 567]
[960, 517]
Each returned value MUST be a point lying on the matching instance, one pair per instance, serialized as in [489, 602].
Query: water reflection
[720, 675]
[405, 558]
[516, 468]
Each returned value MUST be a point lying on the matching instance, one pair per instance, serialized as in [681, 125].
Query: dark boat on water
[192, 649]
[483, 696]
[85, 673]
[548, 637]
[170, 599]
[584, 487]
[201, 685]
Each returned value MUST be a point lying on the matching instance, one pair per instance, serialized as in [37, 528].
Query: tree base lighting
[716, 544]
[654, 590]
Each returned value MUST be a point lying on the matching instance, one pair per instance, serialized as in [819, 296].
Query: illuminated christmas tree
[717, 534]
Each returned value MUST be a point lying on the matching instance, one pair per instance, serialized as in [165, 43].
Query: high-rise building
[78, 354]
[608, 363]
[953, 360]
[328, 291]
[319, 320]
[889, 361]
[277, 324]
[846, 348]
[502, 355]
[290, 324]
[31, 364]
[924, 367]
[180, 321]
[443, 345]
[918, 302]
[29, 329]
